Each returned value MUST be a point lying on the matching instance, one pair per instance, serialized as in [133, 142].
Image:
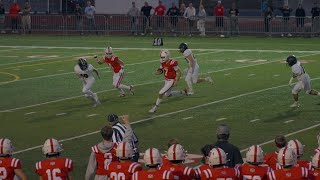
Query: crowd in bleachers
[115, 160]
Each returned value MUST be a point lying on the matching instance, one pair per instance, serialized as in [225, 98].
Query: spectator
[315, 11]
[2, 17]
[182, 9]
[146, 11]
[160, 11]
[119, 131]
[219, 13]
[173, 12]
[14, 13]
[133, 13]
[264, 7]
[89, 12]
[9, 165]
[26, 19]
[234, 13]
[190, 13]
[267, 19]
[105, 152]
[202, 19]
[286, 11]
[300, 15]
[271, 158]
[233, 153]
[79, 18]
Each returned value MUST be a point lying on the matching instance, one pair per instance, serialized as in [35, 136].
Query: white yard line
[61, 114]
[91, 115]
[30, 113]
[254, 120]
[221, 119]
[251, 75]
[190, 117]
[289, 121]
[186, 110]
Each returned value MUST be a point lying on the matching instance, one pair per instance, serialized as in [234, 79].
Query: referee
[118, 132]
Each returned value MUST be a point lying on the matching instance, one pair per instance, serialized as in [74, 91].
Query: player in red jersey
[165, 160]
[172, 73]
[54, 167]
[297, 147]
[9, 166]
[125, 167]
[287, 159]
[271, 158]
[105, 152]
[314, 174]
[254, 168]
[218, 170]
[205, 152]
[176, 156]
[117, 66]
[152, 160]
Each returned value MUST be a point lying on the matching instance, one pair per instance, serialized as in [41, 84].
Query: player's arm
[20, 174]
[91, 168]
[178, 76]
[40, 177]
[127, 137]
[191, 63]
[99, 61]
[121, 63]
[69, 176]
[97, 72]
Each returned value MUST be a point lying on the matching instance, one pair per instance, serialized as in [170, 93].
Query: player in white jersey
[192, 76]
[85, 72]
[303, 79]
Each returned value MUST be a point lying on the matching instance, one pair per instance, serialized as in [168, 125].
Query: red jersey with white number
[254, 172]
[7, 167]
[179, 172]
[122, 170]
[200, 169]
[156, 175]
[169, 69]
[113, 62]
[222, 172]
[50, 169]
[314, 175]
[295, 173]
[271, 160]
[103, 159]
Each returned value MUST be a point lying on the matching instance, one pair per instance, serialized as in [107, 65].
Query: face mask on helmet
[6, 148]
[183, 47]
[108, 52]
[83, 64]
[164, 56]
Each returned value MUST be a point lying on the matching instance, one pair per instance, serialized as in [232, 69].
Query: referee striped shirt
[118, 132]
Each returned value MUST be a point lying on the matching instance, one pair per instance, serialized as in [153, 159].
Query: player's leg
[122, 86]
[117, 78]
[196, 79]
[86, 90]
[189, 82]
[295, 94]
[307, 87]
[167, 86]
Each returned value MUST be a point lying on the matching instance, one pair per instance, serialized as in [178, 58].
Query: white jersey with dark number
[86, 75]
[188, 52]
[299, 72]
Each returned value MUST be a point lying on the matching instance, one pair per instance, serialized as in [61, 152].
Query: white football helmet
[109, 52]
[6, 147]
[296, 146]
[287, 157]
[316, 160]
[217, 157]
[254, 154]
[124, 150]
[176, 152]
[164, 55]
[51, 146]
[152, 156]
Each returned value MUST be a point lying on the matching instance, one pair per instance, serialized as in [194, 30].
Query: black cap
[112, 118]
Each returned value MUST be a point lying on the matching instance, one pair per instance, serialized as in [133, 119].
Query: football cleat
[209, 80]
[131, 89]
[96, 103]
[190, 93]
[122, 95]
[295, 105]
[153, 109]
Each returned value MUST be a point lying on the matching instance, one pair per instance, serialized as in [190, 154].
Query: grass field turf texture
[41, 97]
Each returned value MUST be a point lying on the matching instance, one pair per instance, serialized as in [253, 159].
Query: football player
[315, 172]
[176, 155]
[318, 148]
[9, 166]
[85, 72]
[217, 160]
[172, 74]
[152, 160]
[105, 152]
[117, 66]
[125, 167]
[271, 158]
[205, 152]
[297, 147]
[165, 160]
[54, 167]
[299, 73]
[192, 76]
[287, 160]
[254, 168]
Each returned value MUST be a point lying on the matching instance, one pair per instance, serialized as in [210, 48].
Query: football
[159, 71]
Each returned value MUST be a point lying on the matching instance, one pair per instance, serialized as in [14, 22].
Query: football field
[41, 96]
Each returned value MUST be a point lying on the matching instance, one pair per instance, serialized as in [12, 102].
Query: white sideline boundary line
[183, 110]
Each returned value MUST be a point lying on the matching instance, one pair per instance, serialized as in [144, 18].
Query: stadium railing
[122, 24]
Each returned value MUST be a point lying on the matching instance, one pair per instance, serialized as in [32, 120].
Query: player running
[192, 76]
[85, 72]
[172, 73]
[117, 66]
[303, 79]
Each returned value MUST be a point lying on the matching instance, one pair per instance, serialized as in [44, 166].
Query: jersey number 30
[117, 176]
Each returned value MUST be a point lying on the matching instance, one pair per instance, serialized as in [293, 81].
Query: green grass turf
[242, 91]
